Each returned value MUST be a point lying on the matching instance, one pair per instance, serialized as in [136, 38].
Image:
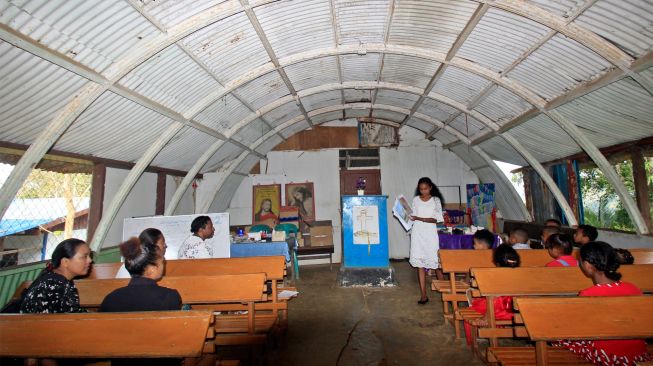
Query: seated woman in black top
[54, 291]
[144, 260]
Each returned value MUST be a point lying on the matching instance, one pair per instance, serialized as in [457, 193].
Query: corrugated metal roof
[184, 149]
[172, 12]
[361, 21]
[320, 100]
[326, 117]
[460, 85]
[118, 128]
[33, 91]
[229, 47]
[282, 114]
[434, 24]
[407, 70]
[171, 78]
[295, 26]
[225, 153]
[626, 23]
[356, 95]
[467, 125]
[420, 124]
[388, 115]
[355, 113]
[291, 130]
[500, 38]
[251, 132]
[360, 67]
[437, 110]
[564, 8]
[501, 106]
[560, 64]
[396, 98]
[269, 144]
[303, 75]
[223, 113]
[544, 139]
[498, 149]
[263, 90]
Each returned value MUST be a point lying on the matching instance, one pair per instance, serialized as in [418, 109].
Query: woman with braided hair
[599, 262]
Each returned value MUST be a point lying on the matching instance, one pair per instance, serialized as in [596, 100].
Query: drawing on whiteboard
[177, 228]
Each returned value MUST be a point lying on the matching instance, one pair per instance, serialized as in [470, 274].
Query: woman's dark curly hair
[603, 257]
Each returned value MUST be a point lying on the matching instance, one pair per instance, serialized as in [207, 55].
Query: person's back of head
[483, 239]
[518, 236]
[139, 255]
[602, 257]
[548, 231]
[585, 234]
[553, 223]
[198, 223]
[624, 256]
[506, 256]
[560, 243]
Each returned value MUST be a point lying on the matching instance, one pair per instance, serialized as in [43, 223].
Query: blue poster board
[365, 231]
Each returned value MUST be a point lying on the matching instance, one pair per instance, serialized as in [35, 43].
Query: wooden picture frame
[302, 196]
[261, 212]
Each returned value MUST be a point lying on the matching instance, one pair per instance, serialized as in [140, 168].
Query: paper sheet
[402, 211]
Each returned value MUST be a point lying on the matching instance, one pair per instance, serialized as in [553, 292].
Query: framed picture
[266, 202]
[302, 196]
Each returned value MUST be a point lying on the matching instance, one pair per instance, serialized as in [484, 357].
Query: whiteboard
[176, 229]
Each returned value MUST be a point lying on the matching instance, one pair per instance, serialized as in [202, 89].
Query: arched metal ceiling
[195, 85]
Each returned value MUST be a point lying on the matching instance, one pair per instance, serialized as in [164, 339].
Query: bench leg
[295, 265]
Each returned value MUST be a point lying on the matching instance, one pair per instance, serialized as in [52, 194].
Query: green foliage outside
[601, 204]
[46, 184]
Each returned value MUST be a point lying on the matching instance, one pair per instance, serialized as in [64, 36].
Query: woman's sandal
[422, 302]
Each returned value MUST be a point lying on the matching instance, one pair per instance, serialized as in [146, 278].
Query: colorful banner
[481, 204]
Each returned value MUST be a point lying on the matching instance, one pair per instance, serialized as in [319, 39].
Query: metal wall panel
[460, 85]
[296, 26]
[33, 91]
[225, 153]
[433, 24]
[172, 79]
[500, 38]
[361, 21]
[229, 47]
[626, 23]
[312, 73]
[559, 65]
[226, 193]
[407, 70]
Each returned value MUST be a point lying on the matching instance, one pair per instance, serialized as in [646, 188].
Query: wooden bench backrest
[642, 255]
[550, 281]
[530, 281]
[104, 270]
[193, 289]
[139, 334]
[460, 261]
[587, 317]
[274, 266]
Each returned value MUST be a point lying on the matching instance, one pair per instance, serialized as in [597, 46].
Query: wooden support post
[541, 358]
[641, 186]
[528, 191]
[97, 198]
[572, 187]
[160, 193]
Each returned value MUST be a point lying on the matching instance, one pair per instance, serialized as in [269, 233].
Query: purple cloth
[450, 241]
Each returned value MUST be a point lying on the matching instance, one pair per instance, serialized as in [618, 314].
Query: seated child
[598, 261]
[483, 239]
[519, 239]
[504, 256]
[553, 223]
[624, 256]
[560, 248]
[548, 231]
[585, 234]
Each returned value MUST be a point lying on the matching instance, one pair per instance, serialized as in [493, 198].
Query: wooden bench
[458, 262]
[534, 281]
[216, 293]
[642, 255]
[274, 268]
[162, 334]
[629, 317]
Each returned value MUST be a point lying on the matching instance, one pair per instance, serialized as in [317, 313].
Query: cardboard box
[321, 234]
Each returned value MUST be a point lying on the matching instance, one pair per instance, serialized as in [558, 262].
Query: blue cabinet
[365, 231]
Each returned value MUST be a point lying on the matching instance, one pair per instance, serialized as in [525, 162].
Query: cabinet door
[348, 179]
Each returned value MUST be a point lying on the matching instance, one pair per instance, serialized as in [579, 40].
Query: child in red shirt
[561, 247]
[504, 256]
[599, 262]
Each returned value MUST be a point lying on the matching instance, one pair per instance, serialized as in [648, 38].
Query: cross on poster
[366, 225]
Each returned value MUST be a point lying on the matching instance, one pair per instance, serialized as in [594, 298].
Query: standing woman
[54, 291]
[424, 244]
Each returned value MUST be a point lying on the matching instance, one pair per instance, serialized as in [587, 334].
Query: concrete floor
[330, 325]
